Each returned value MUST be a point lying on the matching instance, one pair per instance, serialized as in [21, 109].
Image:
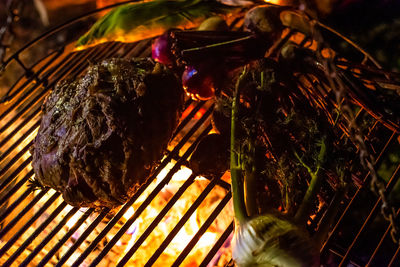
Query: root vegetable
[268, 239]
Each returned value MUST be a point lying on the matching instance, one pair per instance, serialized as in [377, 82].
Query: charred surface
[101, 135]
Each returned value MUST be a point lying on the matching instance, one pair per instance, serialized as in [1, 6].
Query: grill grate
[20, 120]
[37, 235]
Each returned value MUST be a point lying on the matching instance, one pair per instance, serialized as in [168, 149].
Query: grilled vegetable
[213, 24]
[268, 21]
[137, 21]
[265, 21]
[198, 82]
[280, 136]
[102, 134]
[264, 240]
[161, 49]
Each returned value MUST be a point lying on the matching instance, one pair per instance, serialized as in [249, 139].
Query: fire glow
[153, 241]
[185, 218]
[167, 224]
[169, 221]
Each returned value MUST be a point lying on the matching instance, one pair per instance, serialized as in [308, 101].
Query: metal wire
[366, 158]
[202, 230]
[21, 99]
[145, 203]
[49, 236]
[21, 118]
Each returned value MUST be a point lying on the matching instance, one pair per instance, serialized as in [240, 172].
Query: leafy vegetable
[133, 22]
[268, 239]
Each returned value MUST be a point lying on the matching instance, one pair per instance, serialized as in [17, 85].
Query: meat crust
[102, 134]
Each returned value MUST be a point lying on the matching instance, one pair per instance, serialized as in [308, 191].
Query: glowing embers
[178, 213]
[197, 200]
[186, 200]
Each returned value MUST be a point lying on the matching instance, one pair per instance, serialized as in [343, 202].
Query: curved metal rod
[60, 27]
[356, 46]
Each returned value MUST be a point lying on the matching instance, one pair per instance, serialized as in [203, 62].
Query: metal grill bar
[83, 236]
[44, 77]
[140, 48]
[157, 220]
[21, 125]
[202, 230]
[380, 243]
[353, 263]
[15, 204]
[18, 170]
[25, 100]
[49, 236]
[22, 213]
[159, 217]
[29, 223]
[21, 167]
[372, 215]
[354, 196]
[392, 261]
[188, 118]
[11, 224]
[66, 237]
[346, 253]
[30, 79]
[35, 234]
[24, 97]
[178, 226]
[20, 140]
[145, 203]
[119, 215]
[13, 106]
[13, 190]
[217, 246]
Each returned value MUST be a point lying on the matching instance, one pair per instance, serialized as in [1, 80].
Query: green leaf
[137, 21]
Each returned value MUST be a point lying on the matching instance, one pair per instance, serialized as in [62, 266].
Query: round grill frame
[23, 103]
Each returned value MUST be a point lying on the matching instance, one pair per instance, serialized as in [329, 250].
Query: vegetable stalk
[264, 240]
[315, 184]
[236, 171]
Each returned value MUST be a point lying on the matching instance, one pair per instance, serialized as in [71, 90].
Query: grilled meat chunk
[101, 135]
[211, 156]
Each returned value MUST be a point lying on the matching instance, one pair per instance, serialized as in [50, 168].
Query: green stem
[305, 207]
[239, 207]
[312, 190]
[250, 187]
[218, 44]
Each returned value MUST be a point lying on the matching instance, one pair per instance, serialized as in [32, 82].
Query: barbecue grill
[39, 228]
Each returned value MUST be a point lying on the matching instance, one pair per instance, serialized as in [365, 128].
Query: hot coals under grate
[174, 219]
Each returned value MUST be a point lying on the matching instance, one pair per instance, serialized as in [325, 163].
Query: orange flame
[187, 232]
[277, 2]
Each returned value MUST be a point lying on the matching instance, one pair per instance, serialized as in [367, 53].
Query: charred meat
[211, 156]
[102, 134]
